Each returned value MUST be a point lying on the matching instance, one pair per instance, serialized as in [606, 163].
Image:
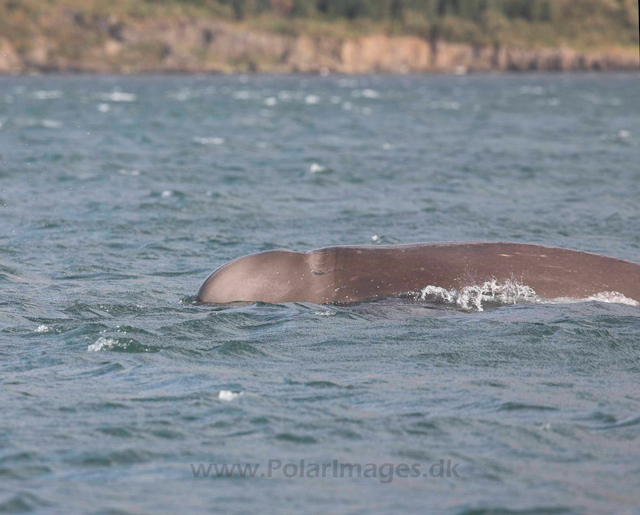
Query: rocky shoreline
[191, 46]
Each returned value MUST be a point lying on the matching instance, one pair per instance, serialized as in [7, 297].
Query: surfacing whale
[355, 273]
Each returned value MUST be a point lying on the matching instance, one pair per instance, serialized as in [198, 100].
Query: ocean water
[120, 394]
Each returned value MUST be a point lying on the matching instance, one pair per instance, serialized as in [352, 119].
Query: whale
[346, 274]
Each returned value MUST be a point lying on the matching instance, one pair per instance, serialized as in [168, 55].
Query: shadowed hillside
[349, 36]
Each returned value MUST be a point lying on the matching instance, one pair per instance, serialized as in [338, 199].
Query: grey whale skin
[356, 273]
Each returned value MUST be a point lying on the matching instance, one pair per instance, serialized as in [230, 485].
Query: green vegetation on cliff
[139, 35]
[531, 23]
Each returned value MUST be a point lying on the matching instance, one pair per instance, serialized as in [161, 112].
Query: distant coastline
[185, 37]
[206, 48]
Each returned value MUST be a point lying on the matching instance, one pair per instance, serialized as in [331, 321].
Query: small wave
[42, 329]
[324, 313]
[47, 95]
[209, 141]
[119, 345]
[228, 395]
[132, 173]
[613, 297]
[312, 99]
[609, 297]
[101, 343]
[370, 93]
[47, 124]
[316, 168]
[474, 297]
[118, 96]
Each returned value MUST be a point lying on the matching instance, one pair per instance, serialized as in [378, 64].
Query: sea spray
[472, 297]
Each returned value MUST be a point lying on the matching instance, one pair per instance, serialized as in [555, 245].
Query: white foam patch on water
[613, 297]
[47, 95]
[228, 395]
[209, 141]
[47, 124]
[473, 297]
[101, 343]
[42, 329]
[370, 93]
[132, 173]
[242, 95]
[118, 96]
[609, 297]
[312, 99]
[51, 124]
[445, 104]
[316, 168]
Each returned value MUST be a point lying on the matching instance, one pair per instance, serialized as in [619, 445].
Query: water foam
[473, 297]
[614, 297]
[101, 343]
[209, 141]
[228, 395]
[316, 168]
[608, 297]
[118, 96]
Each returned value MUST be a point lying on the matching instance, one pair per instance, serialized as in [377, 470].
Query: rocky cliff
[76, 44]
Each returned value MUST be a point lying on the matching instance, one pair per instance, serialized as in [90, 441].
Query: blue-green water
[120, 194]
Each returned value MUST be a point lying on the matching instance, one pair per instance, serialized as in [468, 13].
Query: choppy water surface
[119, 195]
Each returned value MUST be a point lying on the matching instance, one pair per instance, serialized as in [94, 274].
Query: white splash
[167, 193]
[510, 292]
[209, 141]
[473, 297]
[104, 108]
[312, 99]
[132, 173]
[609, 297]
[316, 168]
[370, 93]
[228, 395]
[50, 124]
[101, 343]
[42, 329]
[445, 104]
[613, 297]
[47, 95]
[118, 96]
[242, 95]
